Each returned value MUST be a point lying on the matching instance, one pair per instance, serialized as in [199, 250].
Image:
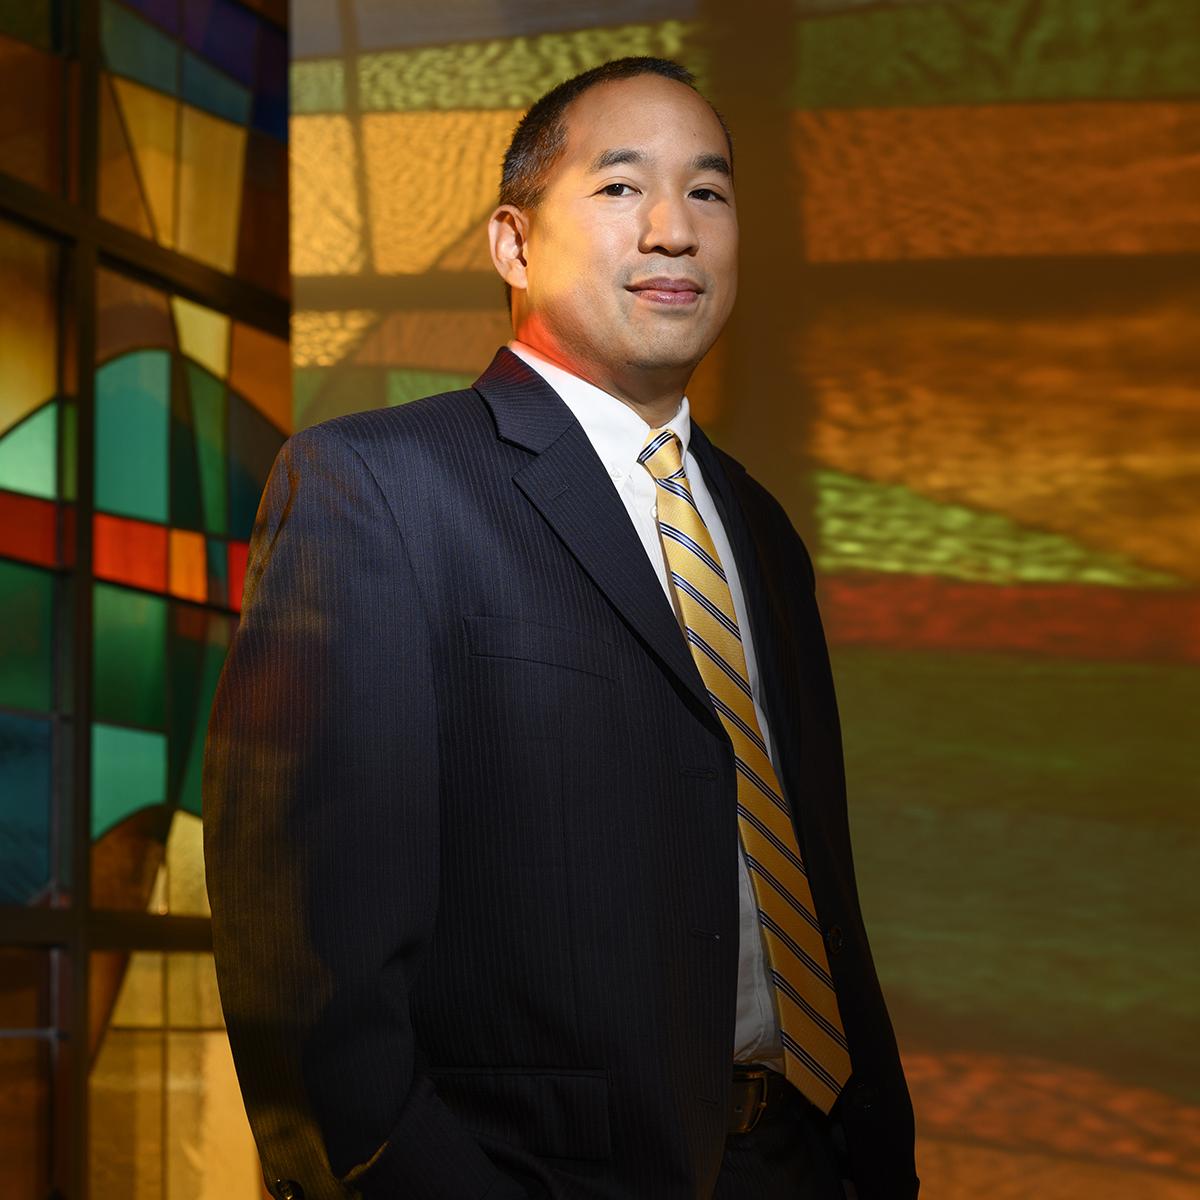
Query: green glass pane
[69, 447]
[29, 452]
[253, 444]
[29, 20]
[137, 50]
[24, 808]
[403, 386]
[1058, 50]
[132, 414]
[129, 656]
[207, 88]
[129, 772]
[208, 426]
[26, 637]
[199, 641]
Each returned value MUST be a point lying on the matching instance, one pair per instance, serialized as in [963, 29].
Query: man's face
[638, 194]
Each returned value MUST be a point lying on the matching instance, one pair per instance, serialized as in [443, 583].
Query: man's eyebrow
[627, 154]
[610, 158]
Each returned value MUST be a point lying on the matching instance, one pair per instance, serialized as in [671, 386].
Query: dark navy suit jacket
[470, 821]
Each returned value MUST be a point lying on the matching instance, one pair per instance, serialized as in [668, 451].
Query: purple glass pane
[224, 33]
[164, 13]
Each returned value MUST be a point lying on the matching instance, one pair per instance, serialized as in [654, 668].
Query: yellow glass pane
[323, 339]
[186, 892]
[120, 191]
[126, 1118]
[28, 323]
[211, 160]
[326, 224]
[209, 1148]
[188, 565]
[203, 335]
[192, 998]
[150, 121]
[430, 176]
[262, 372]
[140, 998]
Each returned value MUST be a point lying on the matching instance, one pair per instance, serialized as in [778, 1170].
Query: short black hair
[541, 135]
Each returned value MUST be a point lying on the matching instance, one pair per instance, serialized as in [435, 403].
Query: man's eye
[705, 193]
[608, 189]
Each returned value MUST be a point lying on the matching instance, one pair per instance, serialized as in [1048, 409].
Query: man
[525, 821]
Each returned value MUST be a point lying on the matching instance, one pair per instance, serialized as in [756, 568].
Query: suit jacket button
[287, 1189]
[834, 940]
[863, 1097]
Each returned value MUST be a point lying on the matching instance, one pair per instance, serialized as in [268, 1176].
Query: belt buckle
[757, 1101]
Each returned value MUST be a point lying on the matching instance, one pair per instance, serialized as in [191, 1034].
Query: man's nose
[668, 227]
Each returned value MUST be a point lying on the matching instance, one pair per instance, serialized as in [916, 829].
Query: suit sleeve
[321, 843]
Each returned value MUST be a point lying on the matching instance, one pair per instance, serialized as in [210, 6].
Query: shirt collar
[614, 429]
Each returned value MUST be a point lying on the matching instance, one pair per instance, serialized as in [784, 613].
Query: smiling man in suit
[525, 818]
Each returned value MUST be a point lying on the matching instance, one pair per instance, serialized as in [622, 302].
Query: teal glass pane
[253, 444]
[29, 454]
[199, 641]
[129, 772]
[209, 89]
[26, 637]
[24, 808]
[208, 427]
[129, 656]
[132, 415]
[137, 50]
[218, 571]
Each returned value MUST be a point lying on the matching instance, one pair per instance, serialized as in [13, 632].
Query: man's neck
[655, 400]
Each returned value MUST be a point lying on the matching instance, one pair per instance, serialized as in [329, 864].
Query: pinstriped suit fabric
[475, 932]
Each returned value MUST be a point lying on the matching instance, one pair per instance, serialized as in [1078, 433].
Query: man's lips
[664, 289]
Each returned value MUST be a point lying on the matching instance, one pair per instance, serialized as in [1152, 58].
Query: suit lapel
[566, 482]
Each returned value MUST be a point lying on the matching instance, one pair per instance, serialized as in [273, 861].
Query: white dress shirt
[618, 434]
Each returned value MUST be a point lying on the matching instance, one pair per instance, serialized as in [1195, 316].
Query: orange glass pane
[261, 371]
[188, 565]
[130, 316]
[436, 339]
[33, 100]
[128, 551]
[211, 160]
[1014, 179]
[430, 177]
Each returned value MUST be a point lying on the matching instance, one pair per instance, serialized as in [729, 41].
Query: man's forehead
[623, 121]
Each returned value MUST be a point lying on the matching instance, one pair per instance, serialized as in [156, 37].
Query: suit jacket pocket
[549, 1112]
[505, 637]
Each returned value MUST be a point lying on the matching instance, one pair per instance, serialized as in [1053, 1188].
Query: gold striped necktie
[814, 1043]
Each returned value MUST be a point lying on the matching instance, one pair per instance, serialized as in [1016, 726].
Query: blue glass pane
[129, 772]
[225, 34]
[24, 808]
[132, 424]
[137, 50]
[271, 87]
[207, 88]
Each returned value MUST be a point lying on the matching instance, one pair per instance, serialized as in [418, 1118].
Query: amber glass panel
[29, 268]
[211, 159]
[33, 108]
[1017, 179]
[25, 1116]
[150, 124]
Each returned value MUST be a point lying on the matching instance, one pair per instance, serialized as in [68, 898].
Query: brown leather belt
[756, 1091]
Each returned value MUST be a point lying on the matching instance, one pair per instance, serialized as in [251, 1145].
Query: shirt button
[616, 472]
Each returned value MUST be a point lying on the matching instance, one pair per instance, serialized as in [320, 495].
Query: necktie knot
[662, 454]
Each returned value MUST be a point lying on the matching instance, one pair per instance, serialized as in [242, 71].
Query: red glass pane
[27, 528]
[127, 551]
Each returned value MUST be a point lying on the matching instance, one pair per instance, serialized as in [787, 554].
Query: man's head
[614, 178]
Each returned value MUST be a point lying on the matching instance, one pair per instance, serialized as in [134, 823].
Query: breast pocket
[533, 642]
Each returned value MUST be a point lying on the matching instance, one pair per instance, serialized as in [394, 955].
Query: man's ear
[508, 227]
